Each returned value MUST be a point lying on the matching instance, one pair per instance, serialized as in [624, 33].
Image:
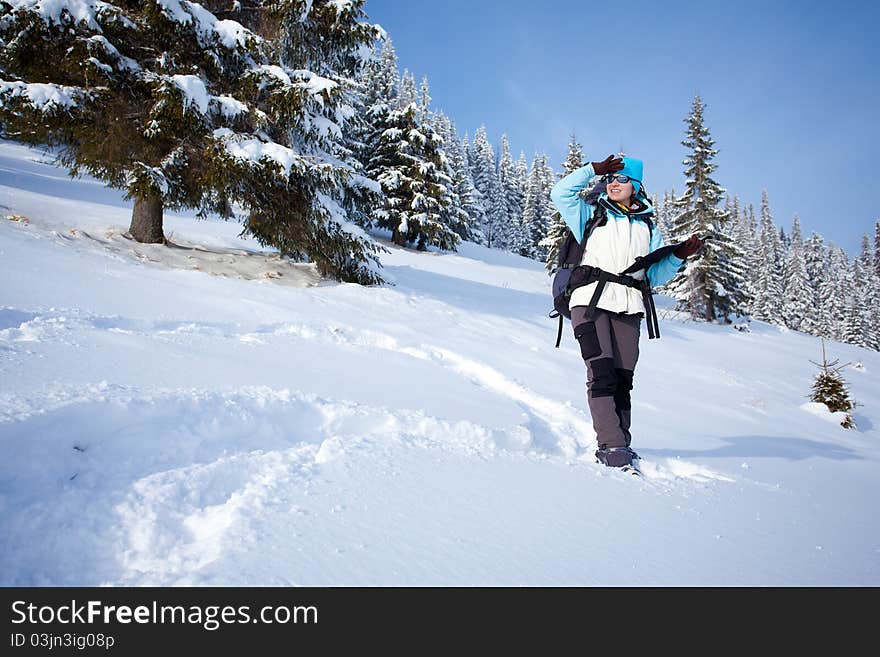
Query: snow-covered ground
[208, 414]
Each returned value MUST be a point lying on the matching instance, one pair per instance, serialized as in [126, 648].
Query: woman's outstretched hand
[609, 165]
[689, 247]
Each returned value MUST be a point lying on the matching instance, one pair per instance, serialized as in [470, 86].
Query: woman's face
[618, 191]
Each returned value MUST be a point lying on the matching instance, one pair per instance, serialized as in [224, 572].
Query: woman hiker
[608, 334]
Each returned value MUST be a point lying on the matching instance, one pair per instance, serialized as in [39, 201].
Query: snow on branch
[80, 11]
[121, 60]
[253, 150]
[194, 91]
[43, 97]
[272, 71]
[196, 94]
[229, 106]
[230, 33]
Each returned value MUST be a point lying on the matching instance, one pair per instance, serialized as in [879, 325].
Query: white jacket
[614, 247]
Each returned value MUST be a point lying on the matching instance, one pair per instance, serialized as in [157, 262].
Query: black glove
[689, 247]
[609, 165]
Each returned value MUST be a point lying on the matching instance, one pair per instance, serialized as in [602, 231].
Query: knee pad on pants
[588, 339]
[624, 385]
[603, 378]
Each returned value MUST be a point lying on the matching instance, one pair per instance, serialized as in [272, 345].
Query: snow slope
[210, 414]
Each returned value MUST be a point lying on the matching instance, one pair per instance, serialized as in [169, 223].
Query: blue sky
[791, 90]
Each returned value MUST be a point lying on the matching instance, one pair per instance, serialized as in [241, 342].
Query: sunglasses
[610, 178]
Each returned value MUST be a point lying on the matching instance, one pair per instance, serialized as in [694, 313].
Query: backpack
[570, 274]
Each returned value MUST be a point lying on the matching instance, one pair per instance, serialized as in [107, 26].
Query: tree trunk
[146, 220]
[398, 238]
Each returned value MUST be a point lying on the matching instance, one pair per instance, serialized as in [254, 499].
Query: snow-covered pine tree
[662, 208]
[710, 286]
[406, 158]
[832, 293]
[329, 41]
[784, 242]
[866, 258]
[753, 259]
[829, 388]
[477, 204]
[574, 159]
[859, 315]
[424, 101]
[814, 265]
[542, 228]
[512, 195]
[459, 219]
[877, 247]
[183, 110]
[743, 233]
[408, 93]
[532, 212]
[768, 286]
[382, 78]
[485, 177]
[519, 232]
[872, 302]
[733, 210]
[659, 210]
[798, 293]
[870, 297]
[468, 151]
[407, 161]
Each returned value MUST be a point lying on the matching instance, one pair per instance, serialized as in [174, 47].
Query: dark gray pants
[610, 349]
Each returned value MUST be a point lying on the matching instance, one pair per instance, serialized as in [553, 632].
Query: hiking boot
[616, 457]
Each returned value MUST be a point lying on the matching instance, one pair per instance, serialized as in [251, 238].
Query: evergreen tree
[519, 233]
[664, 215]
[547, 209]
[866, 260]
[768, 292]
[408, 164]
[182, 110]
[832, 294]
[784, 242]
[872, 314]
[383, 77]
[512, 196]
[710, 286]
[486, 181]
[753, 259]
[332, 42]
[798, 292]
[814, 261]
[424, 101]
[365, 193]
[744, 234]
[557, 231]
[853, 327]
[407, 159]
[476, 206]
[408, 94]
[659, 203]
[829, 388]
[468, 151]
[864, 293]
[877, 247]
[460, 219]
[532, 212]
